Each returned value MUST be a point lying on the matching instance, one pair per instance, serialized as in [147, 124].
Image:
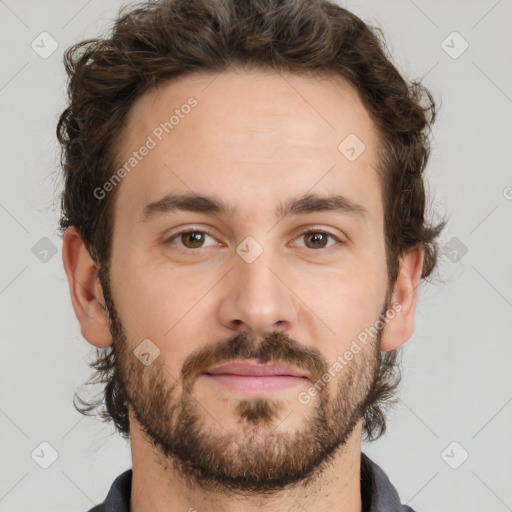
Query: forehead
[262, 131]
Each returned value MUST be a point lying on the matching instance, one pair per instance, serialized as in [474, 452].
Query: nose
[257, 297]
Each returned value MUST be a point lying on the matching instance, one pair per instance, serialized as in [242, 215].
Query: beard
[254, 458]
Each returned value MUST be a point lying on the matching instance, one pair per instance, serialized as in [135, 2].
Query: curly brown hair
[157, 41]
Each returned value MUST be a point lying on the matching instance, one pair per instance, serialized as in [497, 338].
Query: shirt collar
[377, 492]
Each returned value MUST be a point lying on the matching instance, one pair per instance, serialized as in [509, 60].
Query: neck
[157, 487]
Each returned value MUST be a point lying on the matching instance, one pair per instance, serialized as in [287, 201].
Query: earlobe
[400, 326]
[85, 290]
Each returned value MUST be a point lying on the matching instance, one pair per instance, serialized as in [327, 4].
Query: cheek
[165, 305]
[344, 305]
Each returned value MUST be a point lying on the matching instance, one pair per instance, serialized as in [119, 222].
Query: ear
[400, 327]
[85, 289]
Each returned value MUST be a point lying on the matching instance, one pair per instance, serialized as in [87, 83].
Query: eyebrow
[197, 203]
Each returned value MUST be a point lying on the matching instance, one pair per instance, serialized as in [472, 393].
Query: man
[244, 238]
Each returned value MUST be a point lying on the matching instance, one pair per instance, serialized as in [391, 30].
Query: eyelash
[309, 231]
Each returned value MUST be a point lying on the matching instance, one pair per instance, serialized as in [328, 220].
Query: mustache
[275, 347]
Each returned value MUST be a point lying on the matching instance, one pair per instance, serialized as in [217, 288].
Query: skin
[255, 139]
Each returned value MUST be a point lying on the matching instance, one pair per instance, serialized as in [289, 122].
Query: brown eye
[190, 239]
[317, 239]
[195, 238]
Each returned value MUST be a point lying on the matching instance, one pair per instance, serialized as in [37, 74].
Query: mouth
[254, 377]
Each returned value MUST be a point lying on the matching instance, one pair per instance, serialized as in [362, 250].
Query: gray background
[457, 378]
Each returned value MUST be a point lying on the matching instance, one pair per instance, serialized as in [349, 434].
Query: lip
[256, 379]
[247, 368]
[254, 384]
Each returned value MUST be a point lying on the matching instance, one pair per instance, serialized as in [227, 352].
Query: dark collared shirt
[377, 492]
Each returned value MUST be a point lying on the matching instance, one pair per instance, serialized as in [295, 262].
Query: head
[210, 116]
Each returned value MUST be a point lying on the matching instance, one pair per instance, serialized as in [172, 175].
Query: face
[243, 234]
